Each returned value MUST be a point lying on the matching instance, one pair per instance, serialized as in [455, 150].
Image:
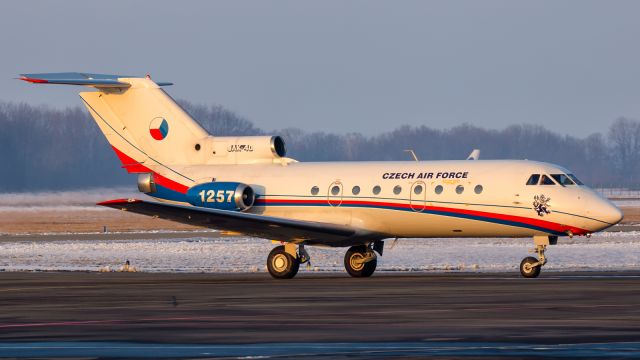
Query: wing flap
[267, 227]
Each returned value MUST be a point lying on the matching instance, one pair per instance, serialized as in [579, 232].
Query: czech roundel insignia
[159, 128]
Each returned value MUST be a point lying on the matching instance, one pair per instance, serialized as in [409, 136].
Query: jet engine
[222, 195]
[218, 150]
[146, 184]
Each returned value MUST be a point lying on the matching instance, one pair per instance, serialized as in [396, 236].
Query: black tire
[282, 265]
[362, 270]
[527, 270]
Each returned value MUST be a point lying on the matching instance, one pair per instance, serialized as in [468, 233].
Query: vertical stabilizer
[145, 124]
[151, 133]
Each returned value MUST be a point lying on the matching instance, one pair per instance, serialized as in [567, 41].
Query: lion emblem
[541, 205]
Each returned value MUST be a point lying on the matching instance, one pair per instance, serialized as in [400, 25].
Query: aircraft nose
[611, 213]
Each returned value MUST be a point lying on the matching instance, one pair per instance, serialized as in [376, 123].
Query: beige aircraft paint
[153, 136]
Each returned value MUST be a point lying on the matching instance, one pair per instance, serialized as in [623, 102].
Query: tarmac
[319, 315]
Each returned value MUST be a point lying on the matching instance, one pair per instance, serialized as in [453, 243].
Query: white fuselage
[487, 198]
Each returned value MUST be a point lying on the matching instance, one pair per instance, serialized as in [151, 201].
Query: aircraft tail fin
[145, 126]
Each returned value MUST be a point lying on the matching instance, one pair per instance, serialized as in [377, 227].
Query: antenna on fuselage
[413, 154]
[474, 155]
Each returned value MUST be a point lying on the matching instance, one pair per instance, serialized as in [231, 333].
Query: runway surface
[590, 314]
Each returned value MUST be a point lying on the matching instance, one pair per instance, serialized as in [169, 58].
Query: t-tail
[151, 133]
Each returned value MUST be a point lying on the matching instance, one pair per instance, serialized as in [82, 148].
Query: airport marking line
[218, 318]
[109, 321]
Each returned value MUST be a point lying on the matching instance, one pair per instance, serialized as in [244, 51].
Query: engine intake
[277, 146]
[240, 150]
[222, 195]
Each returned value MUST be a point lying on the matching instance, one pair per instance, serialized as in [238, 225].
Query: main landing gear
[284, 261]
[359, 261]
[530, 267]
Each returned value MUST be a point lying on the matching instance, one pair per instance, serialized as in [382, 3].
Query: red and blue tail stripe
[165, 187]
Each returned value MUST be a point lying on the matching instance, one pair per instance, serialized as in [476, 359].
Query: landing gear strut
[530, 267]
[284, 261]
[361, 260]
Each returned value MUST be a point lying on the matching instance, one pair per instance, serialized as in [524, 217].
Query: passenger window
[575, 179]
[459, 189]
[478, 189]
[546, 180]
[315, 190]
[376, 190]
[562, 179]
[335, 190]
[397, 189]
[533, 179]
[355, 190]
[438, 189]
[417, 189]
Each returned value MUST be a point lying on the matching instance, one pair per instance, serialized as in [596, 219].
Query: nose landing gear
[530, 267]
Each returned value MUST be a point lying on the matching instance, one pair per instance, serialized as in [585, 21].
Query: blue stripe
[430, 201]
[168, 194]
[432, 212]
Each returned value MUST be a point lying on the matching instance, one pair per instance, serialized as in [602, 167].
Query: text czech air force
[426, 175]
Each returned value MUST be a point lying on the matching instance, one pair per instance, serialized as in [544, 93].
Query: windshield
[546, 180]
[553, 179]
[575, 179]
[533, 179]
[562, 179]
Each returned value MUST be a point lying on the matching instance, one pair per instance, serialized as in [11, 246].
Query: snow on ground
[604, 251]
[627, 202]
[65, 200]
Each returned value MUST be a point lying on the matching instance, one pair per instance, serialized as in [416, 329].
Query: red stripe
[119, 202]
[520, 219]
[35, 81]
[134, 166]
[168, 183]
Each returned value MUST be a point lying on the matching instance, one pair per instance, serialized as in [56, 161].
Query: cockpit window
[533, 179]
[575, 179]
[562, 179]
[546, 180]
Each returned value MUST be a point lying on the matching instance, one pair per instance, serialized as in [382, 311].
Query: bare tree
[624, 136]
[45, 148]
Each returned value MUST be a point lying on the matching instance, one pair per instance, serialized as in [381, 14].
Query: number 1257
[211, 196]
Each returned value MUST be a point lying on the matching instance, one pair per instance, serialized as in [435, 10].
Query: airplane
[247, 185]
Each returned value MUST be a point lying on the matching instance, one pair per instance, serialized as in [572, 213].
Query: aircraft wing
[268, 227]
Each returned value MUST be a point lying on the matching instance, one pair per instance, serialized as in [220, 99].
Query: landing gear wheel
[281, 264]
[530, 267]
[360, 261]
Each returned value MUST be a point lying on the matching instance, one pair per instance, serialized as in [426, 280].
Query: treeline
[43, 148]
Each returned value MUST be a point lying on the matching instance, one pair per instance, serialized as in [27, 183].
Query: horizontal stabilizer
[84, 79]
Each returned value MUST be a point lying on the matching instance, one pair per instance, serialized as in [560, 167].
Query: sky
[346, 66]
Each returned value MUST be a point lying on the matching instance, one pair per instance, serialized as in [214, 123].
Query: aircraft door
[418, 196]
[334, 194]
